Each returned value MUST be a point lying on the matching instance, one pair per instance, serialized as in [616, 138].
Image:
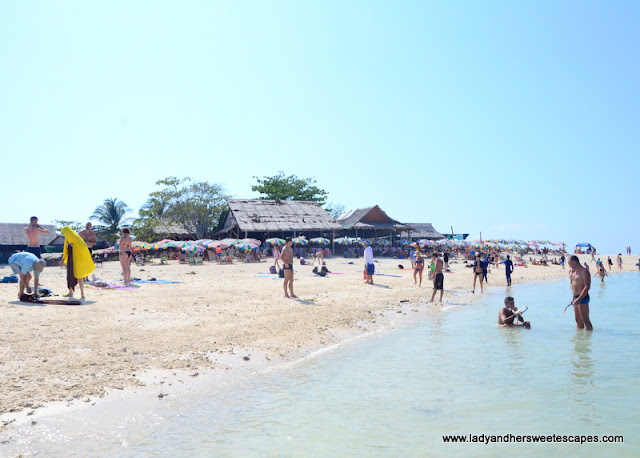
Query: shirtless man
[33, 231]
[438, 278]
[509, 313]
[89, 237]
[580, 284]
[287, 265]
[125, 253]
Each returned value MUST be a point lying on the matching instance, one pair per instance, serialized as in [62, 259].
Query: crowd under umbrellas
[383, 246]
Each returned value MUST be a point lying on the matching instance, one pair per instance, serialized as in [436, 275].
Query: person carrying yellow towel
[78, 260]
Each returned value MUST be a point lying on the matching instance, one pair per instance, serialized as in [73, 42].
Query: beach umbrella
[137, 246]
[426, 242]
[254, 242]
[320, 241]
[156, 246]
[193, 248]
[242, 245]
[182, 244]
[275, 241]
[383, 242]
[300, 241]
[403, 242]
[343, 241]
[202, 242]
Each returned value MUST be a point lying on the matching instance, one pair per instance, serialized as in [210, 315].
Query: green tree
[193, 206]
[281, 187]
[75, 225]
[335, 209]
[151, 217]
[111, 215]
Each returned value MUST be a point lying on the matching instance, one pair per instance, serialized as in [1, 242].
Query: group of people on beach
[580, 280]
[76, 256]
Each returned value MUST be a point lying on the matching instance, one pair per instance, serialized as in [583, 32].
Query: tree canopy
[193, 206]
[111, 215]
[281, 187]
[77, 226]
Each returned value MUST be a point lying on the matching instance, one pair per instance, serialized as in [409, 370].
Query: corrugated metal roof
[275, 215]
[13, 234]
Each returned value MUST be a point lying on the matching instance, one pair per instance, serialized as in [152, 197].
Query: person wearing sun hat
[22, 264]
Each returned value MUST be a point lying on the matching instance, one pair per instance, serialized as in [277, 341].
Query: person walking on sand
[580, 284]
[33, 231]
[610, 263]
[368, 263]
[438, 277]
[125, 254]
[562, 261]
[287, 266]
[619, 261]
[477, 273]
[276, 257]
[508, 268]
[23, 264]
[418, 266]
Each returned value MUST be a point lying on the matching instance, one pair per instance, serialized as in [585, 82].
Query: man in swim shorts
[33, 231]
[438, 277]
[509, 313]
[287, 265]
[580, 284]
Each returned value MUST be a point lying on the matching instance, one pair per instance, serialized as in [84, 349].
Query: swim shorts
[35, 250]
[371, 268]
[585, 300]
[438, 282]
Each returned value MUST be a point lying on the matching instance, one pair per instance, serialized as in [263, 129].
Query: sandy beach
[218, 319]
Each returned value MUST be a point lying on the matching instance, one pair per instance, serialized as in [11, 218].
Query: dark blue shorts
[35, 250]
[370, 269]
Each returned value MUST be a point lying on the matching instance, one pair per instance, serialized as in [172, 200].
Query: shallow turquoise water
[399, 393]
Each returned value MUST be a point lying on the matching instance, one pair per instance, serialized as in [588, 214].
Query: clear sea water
[398, 393]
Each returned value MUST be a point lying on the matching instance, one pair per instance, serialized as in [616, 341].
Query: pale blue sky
[517, 119]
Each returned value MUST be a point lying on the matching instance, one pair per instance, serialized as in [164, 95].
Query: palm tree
[111, 215]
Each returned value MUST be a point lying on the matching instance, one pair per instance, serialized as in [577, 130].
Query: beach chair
[191, 261]
[164, 260]
[198, 260]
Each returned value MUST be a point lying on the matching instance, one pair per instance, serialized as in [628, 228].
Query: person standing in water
[580, 284]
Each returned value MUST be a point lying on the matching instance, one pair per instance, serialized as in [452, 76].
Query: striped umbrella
[203, 242]
[193, 249]
[275, 241]
[403, 241]
[426, 242]
[242, 245]
[254, 242]
[320, 241]
[383, 242]
[343, 241]
[156, 246]
[182, 244]
[137, 246]
[300, 241]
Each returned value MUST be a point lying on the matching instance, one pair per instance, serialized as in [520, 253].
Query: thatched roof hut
[424, 231]
[372, 220]
[253, 217]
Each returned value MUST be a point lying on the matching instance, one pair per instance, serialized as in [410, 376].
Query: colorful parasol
[320, 241]
[275, 241]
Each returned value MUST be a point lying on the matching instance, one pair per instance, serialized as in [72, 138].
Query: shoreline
[383, 312]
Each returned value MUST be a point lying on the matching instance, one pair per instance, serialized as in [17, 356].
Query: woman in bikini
[125, 253]
[418, 266]
[477, 273]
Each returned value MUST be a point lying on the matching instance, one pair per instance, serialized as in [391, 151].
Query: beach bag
[324, 269]
[272, 270]
[281, 273]
[10, 279]
[319, 272]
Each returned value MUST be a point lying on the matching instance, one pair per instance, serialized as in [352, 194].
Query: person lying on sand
[510, 313]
